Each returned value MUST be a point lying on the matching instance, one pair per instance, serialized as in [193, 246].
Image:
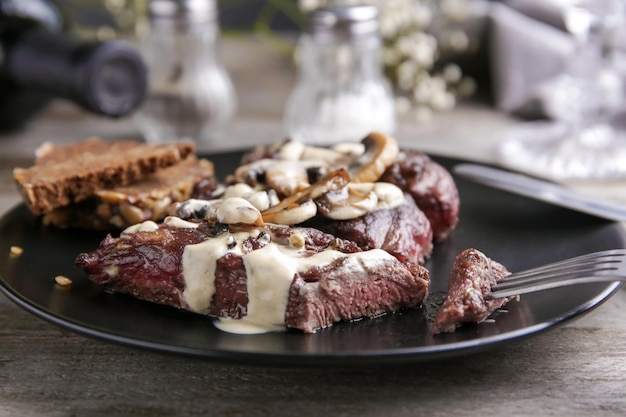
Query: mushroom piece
[380, 152]
[348, 202]
[296, 214]
[357, 199]
[195, 209]
[334, 181]
[261, 199]
[286, 177]
[236, 210]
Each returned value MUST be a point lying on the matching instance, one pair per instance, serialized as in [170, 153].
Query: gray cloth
[527, 47]
[524, 52]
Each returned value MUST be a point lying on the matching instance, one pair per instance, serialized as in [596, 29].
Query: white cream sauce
[147, 226]
[270, 271]
[237, 210]
[179, 223]
[199, 263]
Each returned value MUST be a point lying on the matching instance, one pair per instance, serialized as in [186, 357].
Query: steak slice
[324, 295]
[472, 276]
[146, 264]
[320, 279]
[403, 231]
[431, 186]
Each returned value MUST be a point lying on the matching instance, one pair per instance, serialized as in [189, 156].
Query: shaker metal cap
[182, 11]
[343, 23]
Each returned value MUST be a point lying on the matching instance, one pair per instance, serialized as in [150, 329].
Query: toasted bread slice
[63, 175]
[146, 199]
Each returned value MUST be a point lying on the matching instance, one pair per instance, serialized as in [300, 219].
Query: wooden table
[578, 369]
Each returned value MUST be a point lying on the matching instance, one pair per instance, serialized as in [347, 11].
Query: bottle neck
[106, 78]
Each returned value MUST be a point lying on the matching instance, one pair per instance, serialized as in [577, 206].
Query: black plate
[516, 231]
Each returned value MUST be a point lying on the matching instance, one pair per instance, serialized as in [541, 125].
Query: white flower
[442, 100]
[452, 73]
[457, 40]
[422, 114]
[403, 105]
[309, 5]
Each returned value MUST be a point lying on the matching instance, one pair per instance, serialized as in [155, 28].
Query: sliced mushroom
[358, 199]
[353, 149]
[389, 195]
[262, 200]
[380, 152]
[291, 151]
[236, 210]
[296, 214]
[195, 209]
[349, 202]
[334, 181]
[252, 173]
[287, 177]
[237, 190]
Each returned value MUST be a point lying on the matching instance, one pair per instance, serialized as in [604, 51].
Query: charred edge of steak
[145, 265]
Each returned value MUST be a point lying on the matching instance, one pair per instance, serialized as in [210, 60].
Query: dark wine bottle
[40, 60]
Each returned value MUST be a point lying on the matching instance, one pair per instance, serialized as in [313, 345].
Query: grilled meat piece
[431, 186]
[403, 231]
[312, 279]
[472, 276]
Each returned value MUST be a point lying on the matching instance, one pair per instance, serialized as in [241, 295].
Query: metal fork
[602, 266]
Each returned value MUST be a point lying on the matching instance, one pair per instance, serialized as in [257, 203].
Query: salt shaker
[191, 96]
[341, 93]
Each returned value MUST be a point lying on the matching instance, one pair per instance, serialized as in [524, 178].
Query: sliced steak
[322, 296]
[328, 279]
[146, 265]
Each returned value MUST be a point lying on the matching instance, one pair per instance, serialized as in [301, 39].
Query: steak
[325, 295]
[431, 186]
[403, 231]
[146, 265]
[334, 279]
[472, 276]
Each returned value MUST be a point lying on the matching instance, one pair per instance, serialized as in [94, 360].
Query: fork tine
[594, 267]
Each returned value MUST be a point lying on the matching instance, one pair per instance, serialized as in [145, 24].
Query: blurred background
[433, 50]
[505, 59]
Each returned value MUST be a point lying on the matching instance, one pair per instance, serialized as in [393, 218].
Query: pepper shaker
[341, 93]
[191, 96]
